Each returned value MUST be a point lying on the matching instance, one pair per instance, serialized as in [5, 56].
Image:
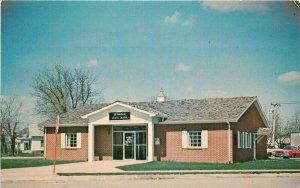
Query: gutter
[67, 125]
[199, 121]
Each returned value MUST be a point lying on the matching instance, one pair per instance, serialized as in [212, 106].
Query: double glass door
[129, 144]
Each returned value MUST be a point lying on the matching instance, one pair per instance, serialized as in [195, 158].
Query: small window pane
[71, 140]
[195, 139]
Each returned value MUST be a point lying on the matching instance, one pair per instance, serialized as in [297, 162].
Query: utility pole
[274, 111]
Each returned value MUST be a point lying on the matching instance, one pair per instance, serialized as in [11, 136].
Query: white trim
[150, 132]
[78, 139]
[66, 140]
[229, 143]
[199, 121]
[184, 139]
[246, 108]
[63, 140]
[45, 146]
[239, 139]
[115, 104]
[66, 125]
[261, 113]
[204, 139]
[91, 142]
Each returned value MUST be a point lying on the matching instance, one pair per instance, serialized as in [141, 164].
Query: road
[164, 181]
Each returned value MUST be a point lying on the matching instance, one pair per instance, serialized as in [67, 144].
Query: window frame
[198, 139]
[244, 140]
[72, 141]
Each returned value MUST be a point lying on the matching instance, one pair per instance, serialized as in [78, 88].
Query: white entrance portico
[124, 116]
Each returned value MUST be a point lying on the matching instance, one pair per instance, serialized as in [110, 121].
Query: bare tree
[10, 111]
[59, 90]
[285, 128]
[294, 123]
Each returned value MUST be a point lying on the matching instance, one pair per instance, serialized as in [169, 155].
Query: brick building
[219, 130]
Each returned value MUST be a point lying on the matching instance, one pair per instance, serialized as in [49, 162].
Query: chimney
[161, 97]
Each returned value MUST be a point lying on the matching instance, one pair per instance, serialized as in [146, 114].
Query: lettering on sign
[119, 116]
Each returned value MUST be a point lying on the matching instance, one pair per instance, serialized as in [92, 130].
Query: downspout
[229, 142]
[254, 146]
[45, 145]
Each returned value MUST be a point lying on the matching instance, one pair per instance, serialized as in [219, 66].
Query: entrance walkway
[46, 172]
[95, 166]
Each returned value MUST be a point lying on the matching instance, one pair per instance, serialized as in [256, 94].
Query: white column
[45, 139]
[91, 144]
[150, 141]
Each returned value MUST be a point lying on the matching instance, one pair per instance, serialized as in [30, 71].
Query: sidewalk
[46, 172]
[97, 168]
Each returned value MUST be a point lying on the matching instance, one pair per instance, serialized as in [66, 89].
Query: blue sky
[190, 49]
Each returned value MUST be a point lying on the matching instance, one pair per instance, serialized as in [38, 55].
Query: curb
[178, 173]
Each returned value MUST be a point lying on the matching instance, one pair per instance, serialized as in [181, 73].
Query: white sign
[156, 141]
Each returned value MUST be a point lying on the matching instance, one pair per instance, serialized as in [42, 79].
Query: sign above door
[119, 115]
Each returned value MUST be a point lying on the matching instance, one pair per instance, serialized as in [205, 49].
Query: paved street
[163, 181]
[43, 177]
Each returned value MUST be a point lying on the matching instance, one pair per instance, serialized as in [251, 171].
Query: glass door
[129, 145]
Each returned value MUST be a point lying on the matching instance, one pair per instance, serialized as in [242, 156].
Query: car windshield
[271, 147]
[290, 147]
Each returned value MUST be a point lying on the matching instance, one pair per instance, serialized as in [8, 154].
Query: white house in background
[33, 142]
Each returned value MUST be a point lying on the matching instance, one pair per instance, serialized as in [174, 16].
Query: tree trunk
[3, 145]
[13, 144]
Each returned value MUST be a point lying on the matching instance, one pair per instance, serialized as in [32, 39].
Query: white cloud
[92, 63]
[229, 6]
[290, 77]
[174, 18]
[182, 67]
[214, 94]
[189, 21]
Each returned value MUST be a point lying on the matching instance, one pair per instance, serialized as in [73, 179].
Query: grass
[23, 163]
[251, 165]
[23, 155]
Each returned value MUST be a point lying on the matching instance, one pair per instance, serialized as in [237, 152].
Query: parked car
[293, 151]
[274, 151]
[271, 149]
[281, 153]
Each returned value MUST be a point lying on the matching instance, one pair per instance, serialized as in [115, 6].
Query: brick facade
[249, 122]
[103, 142]
[171, 148]
[217, 151]
[63, 153]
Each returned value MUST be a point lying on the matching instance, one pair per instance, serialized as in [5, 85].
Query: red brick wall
[171, 149]
[63, 153]
[103, 142]
[249, 122]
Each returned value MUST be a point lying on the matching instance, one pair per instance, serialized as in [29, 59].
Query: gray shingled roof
[34, 130]
[175, 110]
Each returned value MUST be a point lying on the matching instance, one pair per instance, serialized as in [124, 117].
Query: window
[244, 140]
[194, 139]
[71, 140]
[26, 146]
[42, 143]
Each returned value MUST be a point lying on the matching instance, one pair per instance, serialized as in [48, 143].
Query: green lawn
[23, 163]
[259, 164]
